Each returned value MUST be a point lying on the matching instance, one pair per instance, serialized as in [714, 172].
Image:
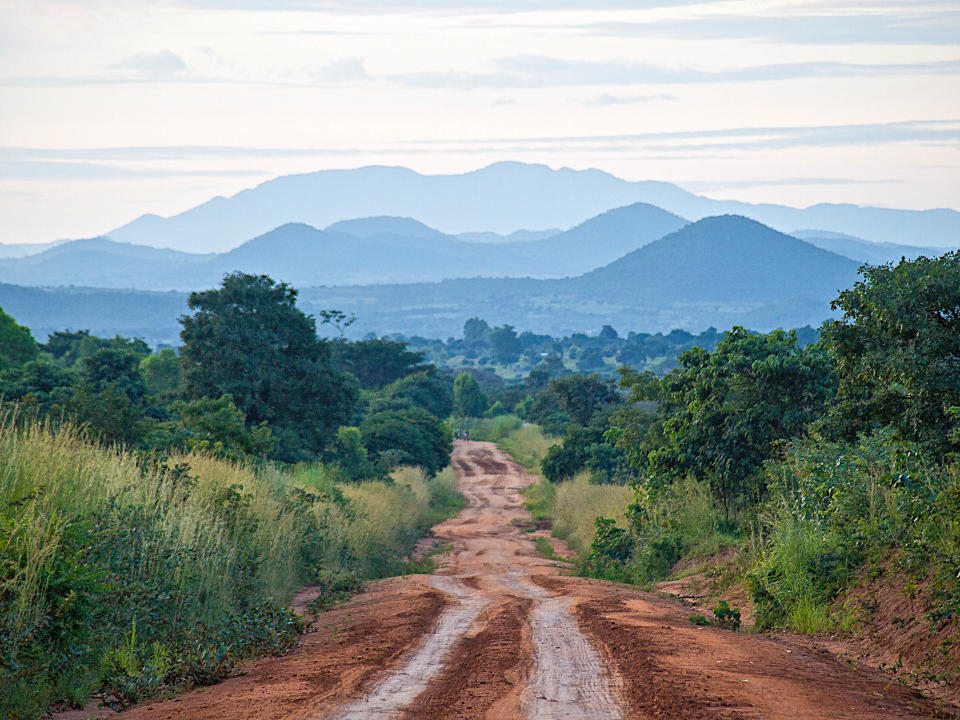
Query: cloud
[606, 99]
[343, 70]
[531, 71]
[155, 66]
[77, 162]
[59, 170]
[914, 28]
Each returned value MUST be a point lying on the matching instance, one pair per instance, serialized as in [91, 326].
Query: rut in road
[567, 678]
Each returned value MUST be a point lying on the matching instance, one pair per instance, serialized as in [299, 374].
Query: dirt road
[498, 633]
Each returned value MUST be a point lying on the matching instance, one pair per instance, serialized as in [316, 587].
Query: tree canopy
[248, 339]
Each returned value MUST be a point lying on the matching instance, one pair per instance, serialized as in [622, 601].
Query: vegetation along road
[498, 632]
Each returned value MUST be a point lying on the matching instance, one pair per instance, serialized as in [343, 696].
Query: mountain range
[355, 252]
[501, 198]
[719, 271]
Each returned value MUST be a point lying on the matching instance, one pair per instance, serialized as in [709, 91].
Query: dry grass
[576, 505]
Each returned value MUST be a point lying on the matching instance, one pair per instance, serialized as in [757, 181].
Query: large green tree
[17, 345]
[409, 436]
[725, 411]
[248, 339]
[468, 399]
[377, 363]
[897, 349]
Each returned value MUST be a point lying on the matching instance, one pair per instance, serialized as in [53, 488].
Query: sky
[114, 108]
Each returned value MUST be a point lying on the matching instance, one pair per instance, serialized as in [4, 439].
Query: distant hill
[17, 250]
[719, 271]
[515, 236]
[726, 259]
[500, 198]
[131, 313]
[100, 262]
[354, 252]
[864, 251]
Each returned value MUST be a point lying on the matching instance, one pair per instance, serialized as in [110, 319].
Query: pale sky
[113, 108]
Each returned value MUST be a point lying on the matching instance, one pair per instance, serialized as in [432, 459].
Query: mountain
[515, 236]
[726, 259]
[864, 251]
[500, 198]
[384, 225]
[364, 251]
[131, 313]
[100, 262]
[18, 250]
[719, 271]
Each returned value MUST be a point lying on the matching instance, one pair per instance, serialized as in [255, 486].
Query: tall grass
[128, 573]
[576, 505]
[524, 442]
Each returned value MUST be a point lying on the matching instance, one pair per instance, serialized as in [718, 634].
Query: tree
[69, 348]
[161, 373]
[17, 345]
[468, 398]
[475, 331]
[897, 349]
[412, 436]
[248, 339]
[424, 389]
[218, 427]
[580, 396]
[724, 412]
[377, 363]
[504, 343]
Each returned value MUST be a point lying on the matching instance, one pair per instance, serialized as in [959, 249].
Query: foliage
[407, 436]
[726, 411]
[248, 339]
[129, 573]
[377, 363]
[161, 375]
[17, 345]
[468, 398]
[897, 350]
[424, 389]
[216, 427]
[581, 396]
[725, 616]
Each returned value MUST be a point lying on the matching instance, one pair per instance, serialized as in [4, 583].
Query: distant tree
[161, 374]
[411, 436]
[504, 344]
[39, 386]
[108, 396]
[426, 390]
[475, 331]
[580, 396]
[69, 348]
[608, 333]
[897, 349]
[468, 398]
[248, 339]
[377, 363]
[17, 345]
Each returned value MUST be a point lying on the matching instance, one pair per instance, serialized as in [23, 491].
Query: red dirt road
[497, 633]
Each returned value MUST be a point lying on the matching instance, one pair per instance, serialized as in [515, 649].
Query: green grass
[130, 574]
[524, 442]
[546, 550]
[576, 505]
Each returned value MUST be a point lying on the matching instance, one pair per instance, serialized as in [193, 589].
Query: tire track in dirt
[508, 648]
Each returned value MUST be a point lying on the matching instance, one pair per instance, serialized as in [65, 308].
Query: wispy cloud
[343, 70]
[155, 66]
[605, 99]
[71, 160]
[544, 71]
[58, 170]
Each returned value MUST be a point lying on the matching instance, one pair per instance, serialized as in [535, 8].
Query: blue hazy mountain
[868, 252]
[501, 198]
[353, 252]
[719, 271]
[100, 262]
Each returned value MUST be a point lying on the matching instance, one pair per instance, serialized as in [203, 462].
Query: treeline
[503, 349]
[159, 509]
[827, 465]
